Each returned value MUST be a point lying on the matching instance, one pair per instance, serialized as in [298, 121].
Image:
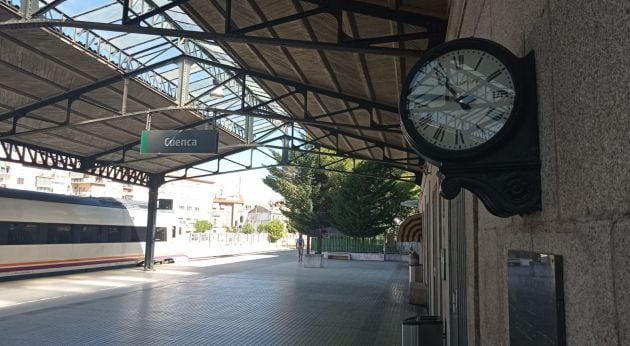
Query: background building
[191, 201]
[263, 214]
[228, 211]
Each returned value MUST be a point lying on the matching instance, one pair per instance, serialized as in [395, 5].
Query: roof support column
[249, 121]
[29, 7]
[155, 181]
[123, 108]
[184, 79]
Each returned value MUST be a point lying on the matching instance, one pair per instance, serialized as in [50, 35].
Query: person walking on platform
[299, 245]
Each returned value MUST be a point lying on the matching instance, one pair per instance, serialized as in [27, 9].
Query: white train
[42, 233]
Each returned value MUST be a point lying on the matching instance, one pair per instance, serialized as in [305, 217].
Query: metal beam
[33, 155]
[218, 37]
[327, 126]
[279, 21]
[48, 7]
[300, 86]
[138, 19]
[22, 111]
[280, 161]
[149, 248]
[377, 11]
[390, 38]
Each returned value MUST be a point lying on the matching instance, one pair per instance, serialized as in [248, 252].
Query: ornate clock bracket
[507, 178]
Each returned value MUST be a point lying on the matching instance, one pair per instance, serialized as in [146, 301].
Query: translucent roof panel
[208, 86]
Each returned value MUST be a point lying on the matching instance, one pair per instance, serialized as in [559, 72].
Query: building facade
[192, 201]
[583, 82]
[228, 212]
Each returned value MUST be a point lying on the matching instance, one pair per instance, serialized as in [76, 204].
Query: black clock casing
[495, 55]
[504, 170]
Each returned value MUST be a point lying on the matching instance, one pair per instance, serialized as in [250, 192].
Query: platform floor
[258, 299]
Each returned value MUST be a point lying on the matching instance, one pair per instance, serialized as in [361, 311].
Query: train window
[4, 233]
[113, 234]
[21, 233]
[174, 231]
[59, 234]
[160, 233]
[126, 233]
[133, 233]
[138, 233]
[90, 234]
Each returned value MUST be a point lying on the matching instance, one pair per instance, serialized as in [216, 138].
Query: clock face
[459, 99]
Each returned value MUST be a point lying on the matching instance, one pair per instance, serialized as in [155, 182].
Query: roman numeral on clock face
[458, 61]
[439, 133]
[458, 100]
[494, 75]
[459, 137]
[494, 114]
[425, 120]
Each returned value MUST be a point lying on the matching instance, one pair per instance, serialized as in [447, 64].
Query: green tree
[275, 230]
[261, 228]
[306, 189]
[248, 228]
[202, 225]
[365, 206]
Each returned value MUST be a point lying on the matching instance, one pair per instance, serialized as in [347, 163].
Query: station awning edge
[411, 229]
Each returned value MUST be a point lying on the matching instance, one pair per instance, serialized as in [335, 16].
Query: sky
[252, 188]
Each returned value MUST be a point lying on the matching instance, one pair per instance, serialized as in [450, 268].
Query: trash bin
[414, 267]
[423, 330]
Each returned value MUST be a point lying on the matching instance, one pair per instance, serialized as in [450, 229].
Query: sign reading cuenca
[179, 142]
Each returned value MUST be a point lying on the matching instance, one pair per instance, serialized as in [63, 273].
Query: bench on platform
[339, 255]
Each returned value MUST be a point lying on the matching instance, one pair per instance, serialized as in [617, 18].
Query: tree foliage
[360, 205]
[365, 206]
[248, 228]
[306, 190]
[274, 228]
[202, 226]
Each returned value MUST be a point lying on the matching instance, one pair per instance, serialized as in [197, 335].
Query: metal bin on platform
[422, 330]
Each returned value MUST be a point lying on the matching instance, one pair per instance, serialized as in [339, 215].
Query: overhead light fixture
[218, 91]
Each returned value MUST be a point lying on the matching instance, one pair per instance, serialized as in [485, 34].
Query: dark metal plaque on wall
[535, 299]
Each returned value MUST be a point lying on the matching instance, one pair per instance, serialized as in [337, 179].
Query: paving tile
[267, 301]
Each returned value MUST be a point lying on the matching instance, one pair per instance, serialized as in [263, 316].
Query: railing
[102, 49]
[357, 245]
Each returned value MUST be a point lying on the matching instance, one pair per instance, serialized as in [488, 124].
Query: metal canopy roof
[78, 79]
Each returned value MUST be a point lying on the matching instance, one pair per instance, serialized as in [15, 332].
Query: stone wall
[583, 78]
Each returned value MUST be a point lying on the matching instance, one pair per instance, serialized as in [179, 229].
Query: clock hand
[450, 88]
[464, 105]
[450, 107]
[458, 99]
[465, 100]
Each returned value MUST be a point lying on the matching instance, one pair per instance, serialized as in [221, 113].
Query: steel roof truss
[214, 36]
[32, 155]
[141, 17]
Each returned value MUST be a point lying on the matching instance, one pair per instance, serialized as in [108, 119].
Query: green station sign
[179, 142]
